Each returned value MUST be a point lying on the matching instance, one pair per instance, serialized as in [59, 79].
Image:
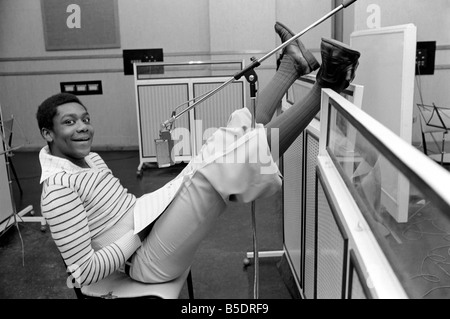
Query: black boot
[339, 63]
[305, 62]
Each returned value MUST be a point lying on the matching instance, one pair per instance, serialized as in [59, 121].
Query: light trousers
[235, 164]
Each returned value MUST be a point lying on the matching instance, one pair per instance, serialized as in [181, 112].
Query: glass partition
[394, 189]
[190, 69]
[303, 85]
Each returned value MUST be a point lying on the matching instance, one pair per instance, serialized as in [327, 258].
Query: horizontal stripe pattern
[79, 207]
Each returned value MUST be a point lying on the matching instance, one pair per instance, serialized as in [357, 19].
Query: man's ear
[47, 135]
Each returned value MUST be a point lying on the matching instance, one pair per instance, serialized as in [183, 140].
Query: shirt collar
[51, 165]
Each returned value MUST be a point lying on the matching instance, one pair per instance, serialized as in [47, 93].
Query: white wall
[186, 30]
[29, 74]
[432, 19]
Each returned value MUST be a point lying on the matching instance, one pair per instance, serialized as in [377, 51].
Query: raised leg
[339, 63]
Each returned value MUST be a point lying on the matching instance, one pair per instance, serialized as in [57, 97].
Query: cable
[433, 256]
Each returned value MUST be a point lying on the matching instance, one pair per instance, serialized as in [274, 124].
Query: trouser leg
[170, 247]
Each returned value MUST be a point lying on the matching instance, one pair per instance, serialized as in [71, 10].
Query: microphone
[164, 144]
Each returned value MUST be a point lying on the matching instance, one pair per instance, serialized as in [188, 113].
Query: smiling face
[72, 133]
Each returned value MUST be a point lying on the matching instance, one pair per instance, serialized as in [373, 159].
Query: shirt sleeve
[68, 222]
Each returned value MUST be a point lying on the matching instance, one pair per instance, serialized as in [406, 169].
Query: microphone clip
[164, 144]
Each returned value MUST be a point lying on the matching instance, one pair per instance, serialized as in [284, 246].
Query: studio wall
[186, 30]
[432, 21]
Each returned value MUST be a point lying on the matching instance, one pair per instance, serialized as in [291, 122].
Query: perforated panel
[215, 111]
[156, 103]
[293, 202]
[331, 247]
[312, 151]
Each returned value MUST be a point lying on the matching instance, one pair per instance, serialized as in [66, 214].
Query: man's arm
[68, 224]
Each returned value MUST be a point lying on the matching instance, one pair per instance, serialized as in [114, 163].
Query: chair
[119, 285]
[431, 122]
[8, 127]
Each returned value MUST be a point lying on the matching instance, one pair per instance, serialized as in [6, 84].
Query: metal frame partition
[386, 257]
[298, 166]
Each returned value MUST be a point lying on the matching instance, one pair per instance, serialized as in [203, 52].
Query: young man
[91, 215]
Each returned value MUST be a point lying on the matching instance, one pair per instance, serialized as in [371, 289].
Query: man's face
[72, 134]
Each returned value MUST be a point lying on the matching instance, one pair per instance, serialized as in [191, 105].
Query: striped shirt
[89, 214]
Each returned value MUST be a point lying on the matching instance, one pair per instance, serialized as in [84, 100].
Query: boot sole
[341, 46]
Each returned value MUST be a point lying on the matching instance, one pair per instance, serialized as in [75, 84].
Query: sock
[291, 123]
[270, 97]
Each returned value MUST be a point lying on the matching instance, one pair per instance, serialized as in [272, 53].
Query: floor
[31, 267]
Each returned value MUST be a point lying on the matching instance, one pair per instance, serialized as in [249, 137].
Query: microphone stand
[256, 62]
[252, 79]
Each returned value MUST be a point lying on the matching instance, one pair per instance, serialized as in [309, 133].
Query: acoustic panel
[293, 203]
[312, 151]
[331, 249]
[389, 97]
[156, 103]
[215, 111]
